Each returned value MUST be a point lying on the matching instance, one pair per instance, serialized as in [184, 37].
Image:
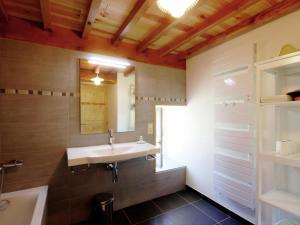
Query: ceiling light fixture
[176, 8]
[97, 80]
[108, 62]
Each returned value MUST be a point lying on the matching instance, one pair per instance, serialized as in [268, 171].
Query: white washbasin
[108, 153]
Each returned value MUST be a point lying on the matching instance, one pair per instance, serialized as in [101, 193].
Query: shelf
[285, 64]
[278, 58]
[290, 160]
[282, 104]
[283, 200]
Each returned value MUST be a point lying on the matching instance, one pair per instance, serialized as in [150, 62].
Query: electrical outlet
[150, 128]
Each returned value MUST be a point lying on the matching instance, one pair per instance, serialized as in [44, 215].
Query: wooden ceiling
[136, 29]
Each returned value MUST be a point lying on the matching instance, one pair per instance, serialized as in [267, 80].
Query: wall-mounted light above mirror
[107, 95]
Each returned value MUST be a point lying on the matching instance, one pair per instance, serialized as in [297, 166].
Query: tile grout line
[163, 213]
[160, 209]
[152, 217]
[187, 201]
[192, 203]
[220, 222]
[228, 217]
[209, 215]
[197, 208]
[127, 217]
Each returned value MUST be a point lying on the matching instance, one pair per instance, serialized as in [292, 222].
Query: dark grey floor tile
[189, 215]
[119, 218]
[141, 212]
[159, 220]
[189, 196]
[230, 221]
[210, 210]
[169, 202]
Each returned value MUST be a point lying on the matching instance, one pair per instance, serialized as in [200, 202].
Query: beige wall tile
[32, 109]
[22, 137]
[24, 75]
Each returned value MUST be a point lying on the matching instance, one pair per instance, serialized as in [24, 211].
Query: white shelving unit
[278, 177]
[282, 200]
[289, 160]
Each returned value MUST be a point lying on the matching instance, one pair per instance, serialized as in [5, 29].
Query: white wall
[198, 151]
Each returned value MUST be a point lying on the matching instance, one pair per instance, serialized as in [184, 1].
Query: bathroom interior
[149, 112]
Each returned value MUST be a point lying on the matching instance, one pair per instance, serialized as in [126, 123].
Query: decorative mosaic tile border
[10, 91]
[160, 99]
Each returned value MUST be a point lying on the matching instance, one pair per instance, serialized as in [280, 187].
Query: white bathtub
[27, 207]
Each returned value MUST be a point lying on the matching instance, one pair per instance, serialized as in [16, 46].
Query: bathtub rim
[40, 206]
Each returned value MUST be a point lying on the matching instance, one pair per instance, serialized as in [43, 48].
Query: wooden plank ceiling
[136, 29]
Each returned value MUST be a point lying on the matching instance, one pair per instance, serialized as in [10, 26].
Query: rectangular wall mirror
[107, 96]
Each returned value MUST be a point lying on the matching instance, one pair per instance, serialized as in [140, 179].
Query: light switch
[150, 128]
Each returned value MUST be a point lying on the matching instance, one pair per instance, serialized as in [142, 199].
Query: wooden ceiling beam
[68, 39]
[165, 25]
[135, 14]
[46, 14]
[231, 9]
[274, 12]
[3, 13]
[91, 17]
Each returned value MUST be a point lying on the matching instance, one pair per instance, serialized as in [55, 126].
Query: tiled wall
[39, 118]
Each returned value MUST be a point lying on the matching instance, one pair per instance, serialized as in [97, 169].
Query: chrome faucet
[11, 164]
[111, 137]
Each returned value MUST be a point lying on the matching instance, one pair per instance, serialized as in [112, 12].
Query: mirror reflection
[107, 96]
